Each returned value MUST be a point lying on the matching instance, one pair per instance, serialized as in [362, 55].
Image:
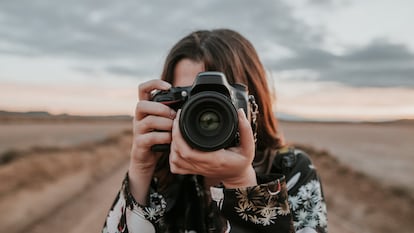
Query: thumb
[246, 133]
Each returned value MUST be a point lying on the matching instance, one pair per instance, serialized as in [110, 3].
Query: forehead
[185, 72]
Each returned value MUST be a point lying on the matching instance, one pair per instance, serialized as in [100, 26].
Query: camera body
[208, 119]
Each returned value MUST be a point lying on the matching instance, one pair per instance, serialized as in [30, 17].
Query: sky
[332, 60]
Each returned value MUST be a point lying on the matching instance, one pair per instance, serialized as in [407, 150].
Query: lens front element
[209, 121]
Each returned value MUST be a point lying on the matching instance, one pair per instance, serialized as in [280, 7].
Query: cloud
[111, 29]
[131, 38]
[141, 31]
[79, 28]
[125, 71]
[381, 50]
[378, 64]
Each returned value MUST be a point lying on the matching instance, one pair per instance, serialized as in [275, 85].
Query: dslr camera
[208, 119]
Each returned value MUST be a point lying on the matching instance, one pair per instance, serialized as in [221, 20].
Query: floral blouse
[288, 198]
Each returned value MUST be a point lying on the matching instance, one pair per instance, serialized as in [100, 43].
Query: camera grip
[160, 147]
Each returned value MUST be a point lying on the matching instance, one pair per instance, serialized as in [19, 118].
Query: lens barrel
[208, 121]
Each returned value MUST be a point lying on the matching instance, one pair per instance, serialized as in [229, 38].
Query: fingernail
[166, 85]
[242, 111]
[173, 114]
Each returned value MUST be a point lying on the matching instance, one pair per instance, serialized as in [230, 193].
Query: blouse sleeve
[127, 215]
[261, 208]
[305, 193]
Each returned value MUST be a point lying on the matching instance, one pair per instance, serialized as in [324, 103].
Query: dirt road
[86, 211]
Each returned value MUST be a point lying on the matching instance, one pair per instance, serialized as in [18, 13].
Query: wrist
[139, 183]
[245, 179]
[142, 162]
[141, 168]
[140, 171]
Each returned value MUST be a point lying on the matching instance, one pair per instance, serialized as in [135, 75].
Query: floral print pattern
[154, 212]
[259, 205]
[309, 207]
[125, 206]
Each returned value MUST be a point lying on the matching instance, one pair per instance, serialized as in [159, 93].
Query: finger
[188, 153]
[177, 164]
[176, 129]
[180, 162]
[152, 138]
[178, 139]
[246, 133]
[152, 122]
[145, 108]
[180, 143]
[145, 88]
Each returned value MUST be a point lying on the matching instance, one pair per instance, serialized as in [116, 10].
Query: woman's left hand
[232, 166]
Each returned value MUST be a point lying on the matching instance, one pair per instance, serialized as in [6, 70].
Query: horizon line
[281, 116]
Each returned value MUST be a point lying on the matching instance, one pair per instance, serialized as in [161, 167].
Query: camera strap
[254, 112]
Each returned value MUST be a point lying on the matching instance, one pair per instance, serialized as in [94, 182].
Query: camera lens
[208, 121]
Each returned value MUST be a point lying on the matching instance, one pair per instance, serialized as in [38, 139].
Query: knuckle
[142, 85]
[144, 141]
[173, 169]
[145, 124]
[174, 166]
[138, 141]
[142, 105]
[139, 105]
[185, 154]
[173, 160]
[142, 126]
[139, 109]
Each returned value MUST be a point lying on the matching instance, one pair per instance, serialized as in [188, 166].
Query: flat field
[382, 150]
[63, 176]
[25, 135]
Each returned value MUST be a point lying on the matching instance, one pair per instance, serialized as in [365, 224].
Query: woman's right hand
[152, 124]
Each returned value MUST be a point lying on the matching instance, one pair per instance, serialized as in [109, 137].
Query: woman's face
[186, 71]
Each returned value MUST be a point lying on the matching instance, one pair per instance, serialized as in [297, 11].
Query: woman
[254, 186]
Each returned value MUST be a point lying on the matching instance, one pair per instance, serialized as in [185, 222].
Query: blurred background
[342, 71]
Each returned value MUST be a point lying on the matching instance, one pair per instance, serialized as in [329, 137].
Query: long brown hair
[229, 52]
